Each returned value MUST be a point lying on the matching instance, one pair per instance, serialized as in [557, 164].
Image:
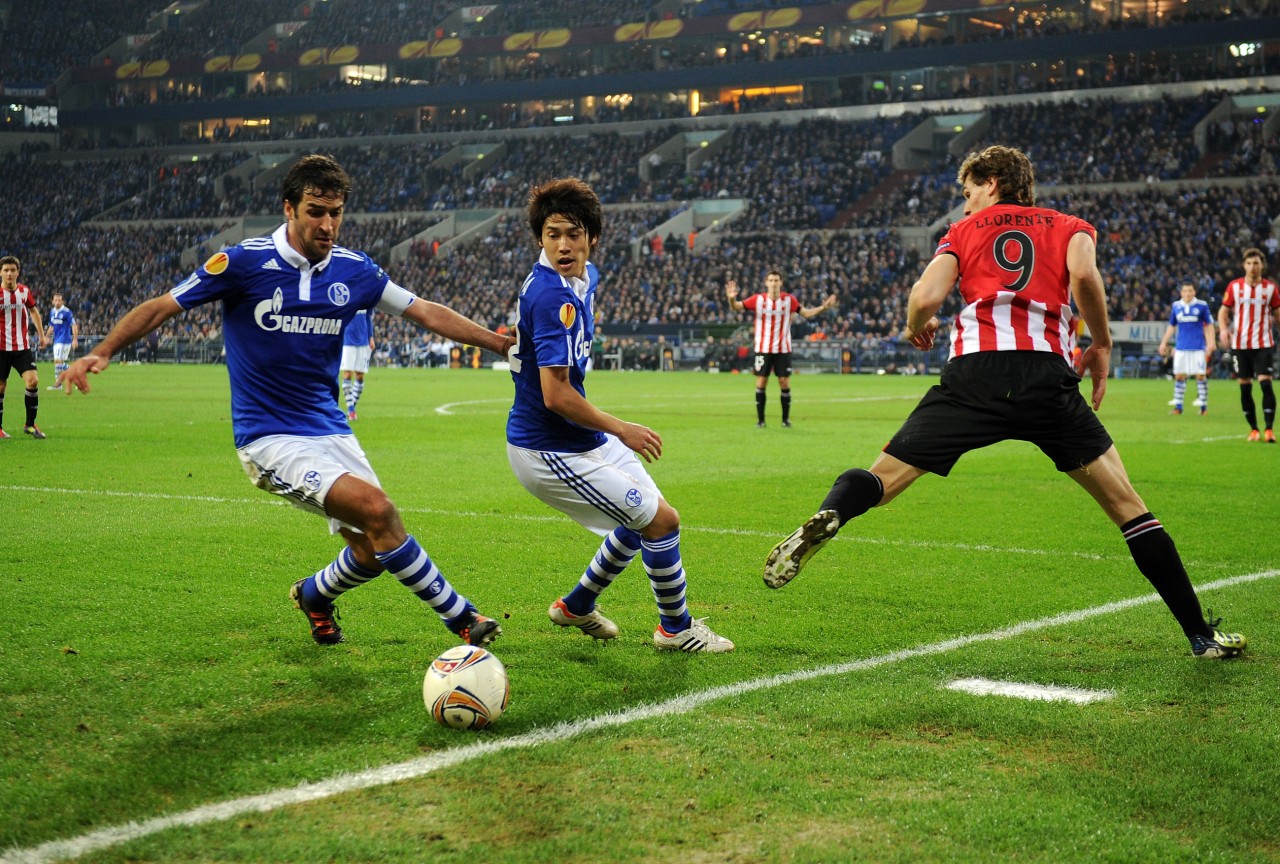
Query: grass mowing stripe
[57, 850]
[533, 517]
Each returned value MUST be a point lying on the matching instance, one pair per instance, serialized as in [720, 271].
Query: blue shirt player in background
[286, 299]
[357, 349]
[64, 330]
[1192, 323]
[575, 457]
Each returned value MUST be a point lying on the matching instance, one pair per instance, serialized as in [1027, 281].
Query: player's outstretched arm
[448, 323]
[136, 323]
[811, 311]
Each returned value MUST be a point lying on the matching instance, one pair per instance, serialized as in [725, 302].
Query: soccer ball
[466, 688]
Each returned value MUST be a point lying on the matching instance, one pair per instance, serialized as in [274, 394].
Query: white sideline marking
[274, 501]
[1041, 692]
[74, 847]
[446, 409]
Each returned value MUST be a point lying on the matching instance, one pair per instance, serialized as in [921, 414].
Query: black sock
[1153, 551]
[32, 401]
[855, 492]
[1246, 404]
[760, 404]
[1, 410]
[786, 405]
[1268, 404]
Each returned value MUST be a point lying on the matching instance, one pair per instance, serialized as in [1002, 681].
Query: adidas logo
[271, 265]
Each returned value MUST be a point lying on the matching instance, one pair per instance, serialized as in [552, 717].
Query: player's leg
[357, 389]
[761, 369]
[677, 630]
[578, 608]
[1153, 552]
[1202, 393]
[854, 492]
[783, 370]
[330, 476]
[4, 384]
[1268, 408]
[31, 398]
[1179, 392]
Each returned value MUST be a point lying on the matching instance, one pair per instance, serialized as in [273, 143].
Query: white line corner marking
[1040, 692]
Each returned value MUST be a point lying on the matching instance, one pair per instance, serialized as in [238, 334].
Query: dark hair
[1011, 168]
[568, 197]
[11, 259]
[777, 273]
[318, 174]
[1251, 252]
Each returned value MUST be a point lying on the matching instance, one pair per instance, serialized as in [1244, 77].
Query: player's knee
[665, 521]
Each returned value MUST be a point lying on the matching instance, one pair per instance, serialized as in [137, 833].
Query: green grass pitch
[152, 664]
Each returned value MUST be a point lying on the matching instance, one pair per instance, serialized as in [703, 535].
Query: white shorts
[61, 352]
[355, 358]
[303, 470]
[600, 489]
[1190, 363]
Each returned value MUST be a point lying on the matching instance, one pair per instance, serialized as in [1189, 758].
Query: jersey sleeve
[751, 302]
[213, 281]
[1275, 297]
[552, 315]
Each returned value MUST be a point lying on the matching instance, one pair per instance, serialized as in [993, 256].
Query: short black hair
[318, 174]
[568, 197]
[11, 259]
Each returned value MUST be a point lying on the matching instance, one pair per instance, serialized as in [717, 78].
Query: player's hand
[1096, 363]
[642, 440]
[924, 338]
[830, 302]
[1162, 350]
[77, 374]
[731, 290]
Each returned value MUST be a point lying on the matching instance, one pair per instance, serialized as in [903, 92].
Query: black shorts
[17, 361]
[1252, 362]
[779, 364]
[997, 396]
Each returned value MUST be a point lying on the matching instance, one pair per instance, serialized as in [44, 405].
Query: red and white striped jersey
[15, 322]
[1013, 277]
[773, 321]
[1251, 307]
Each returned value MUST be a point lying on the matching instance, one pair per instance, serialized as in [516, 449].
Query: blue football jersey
[1190, 319]
[554, 328]
[61, 320]
[357, 333]
[282, 323]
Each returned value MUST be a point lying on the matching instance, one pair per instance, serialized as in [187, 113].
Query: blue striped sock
[1179, 392]
[666, 574]
[342, 574]
[615, 553]
[413, 567]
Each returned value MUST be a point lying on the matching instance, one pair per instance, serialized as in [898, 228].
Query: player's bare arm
[137, 322]
[1163, 348]
[926, 298]
[1224, 327]
[39, 325]
[811, 311]
[1090, 295]
[444, 321]
[559, 396]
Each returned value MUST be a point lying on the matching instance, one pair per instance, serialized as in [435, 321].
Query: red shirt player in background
[1009, 376]
[773, 310]
[1255, 302]
[17, 312]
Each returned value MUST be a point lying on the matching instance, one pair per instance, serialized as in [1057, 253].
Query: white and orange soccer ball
[466, 688]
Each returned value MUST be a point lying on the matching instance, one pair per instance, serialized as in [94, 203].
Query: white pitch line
[57, 850]
[531, 517]
[1035, 692]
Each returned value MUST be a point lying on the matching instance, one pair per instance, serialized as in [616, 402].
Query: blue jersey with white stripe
[283, 319]
[554, 328]
[61, 320]
[1190, 319]
[357, 333]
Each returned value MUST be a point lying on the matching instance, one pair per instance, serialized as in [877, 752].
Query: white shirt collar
[579, 286]
[281, 238]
